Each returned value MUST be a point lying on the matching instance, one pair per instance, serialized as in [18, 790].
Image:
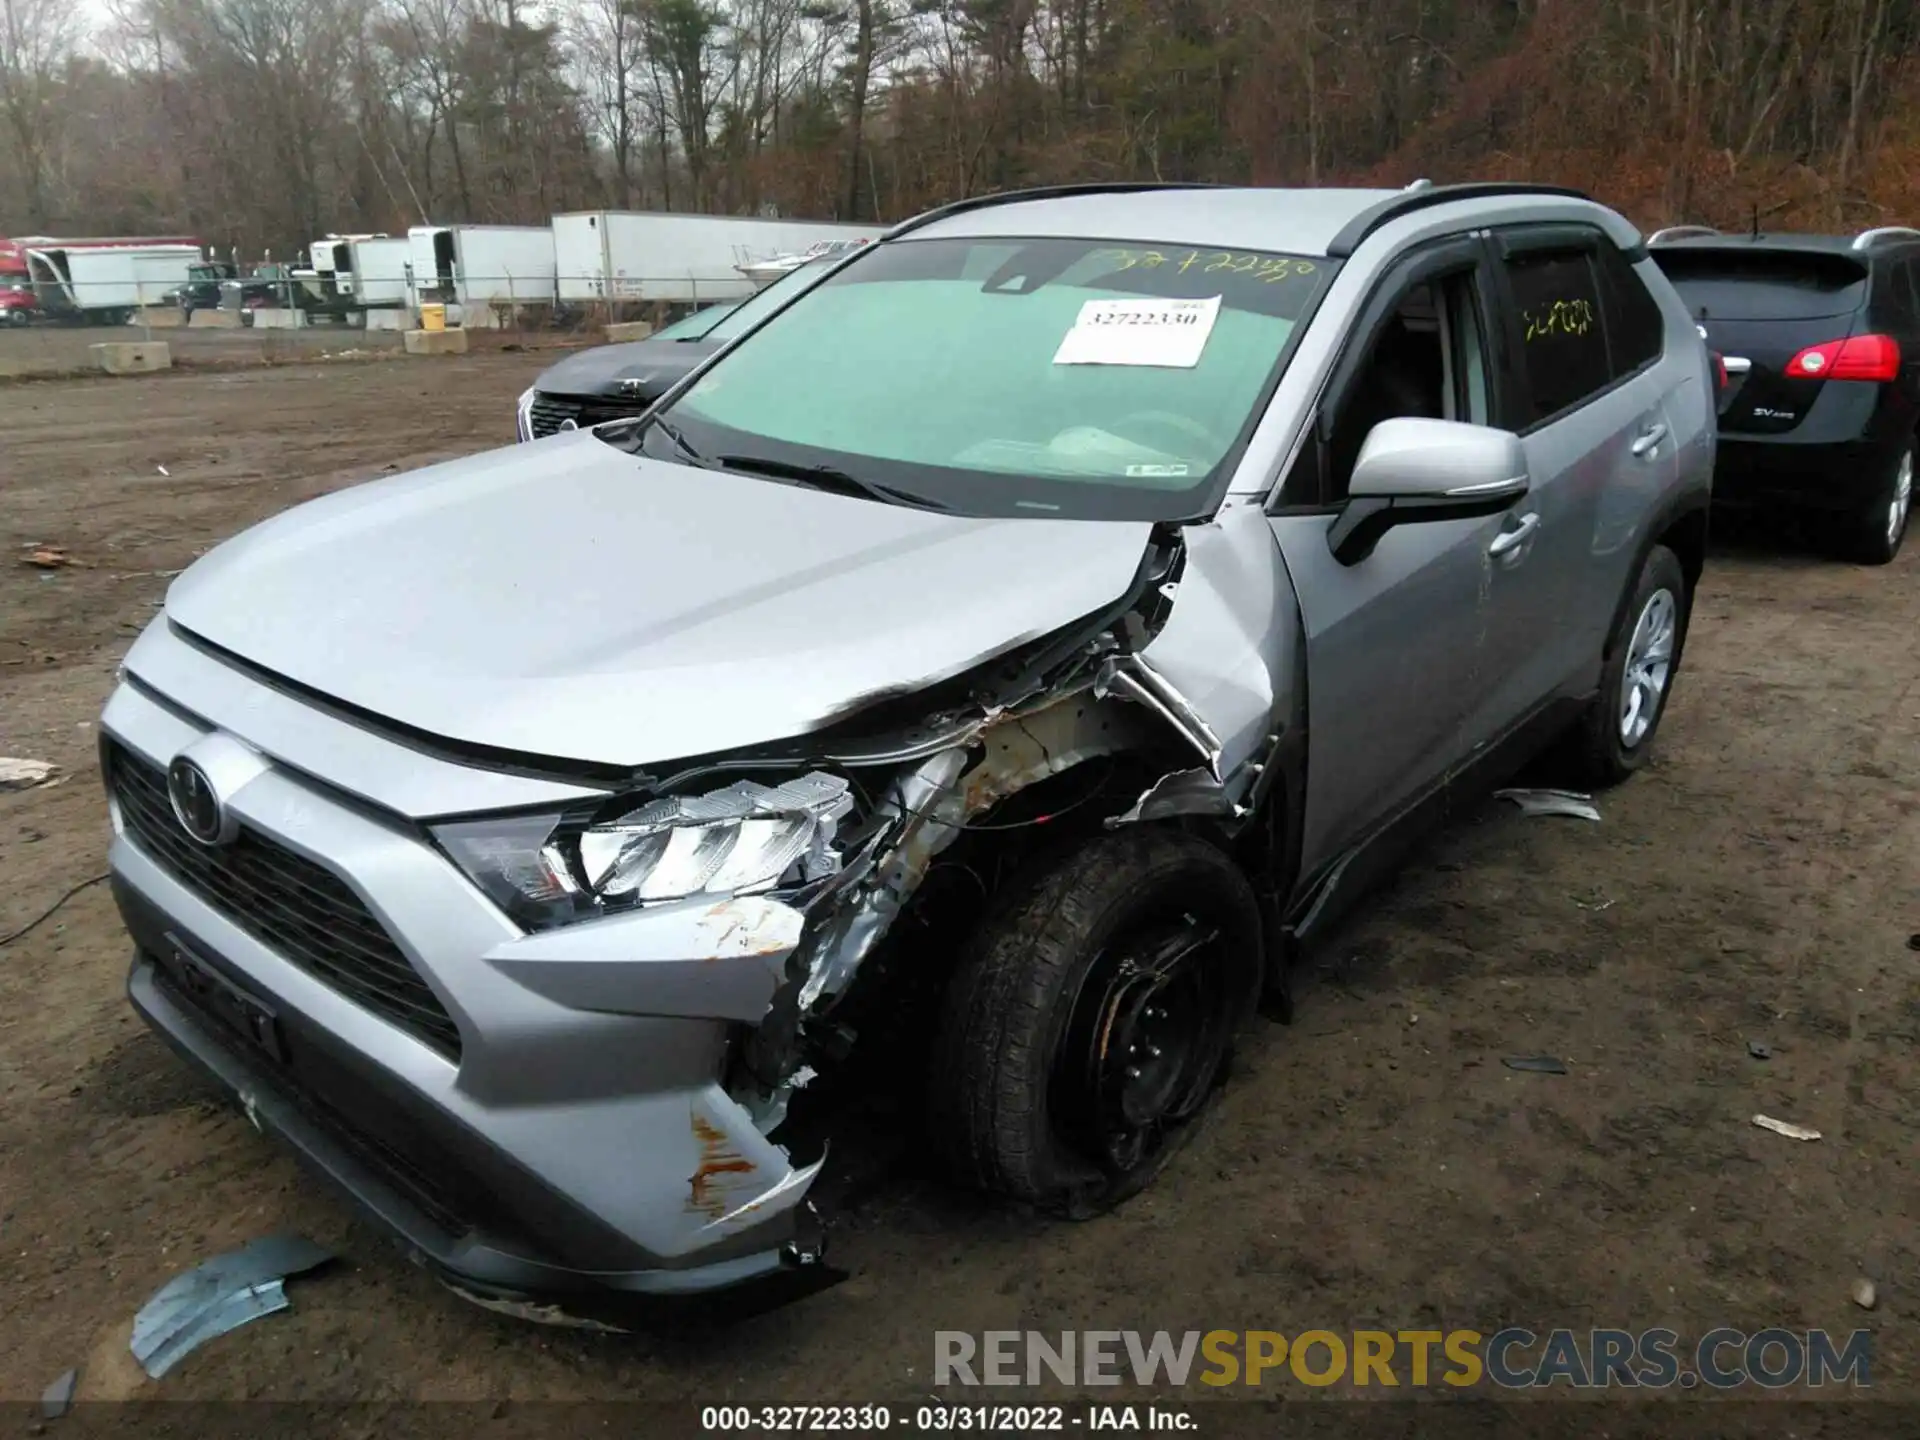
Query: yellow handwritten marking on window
[1563, 317]
[1270, 268]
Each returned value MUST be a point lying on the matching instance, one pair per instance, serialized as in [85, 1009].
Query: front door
[1395, 642]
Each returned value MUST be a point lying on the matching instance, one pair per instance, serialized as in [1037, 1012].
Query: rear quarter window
[1763, 284]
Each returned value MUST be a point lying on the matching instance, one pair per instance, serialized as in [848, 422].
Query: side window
[1563, 344]
[1636, 325]
[1428, 360]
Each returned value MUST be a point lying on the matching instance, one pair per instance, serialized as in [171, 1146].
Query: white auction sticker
[1169, 333]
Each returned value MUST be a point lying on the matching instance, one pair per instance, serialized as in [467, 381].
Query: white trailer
[106, 284]
[376, 271]
[683, 259]
[484, 271]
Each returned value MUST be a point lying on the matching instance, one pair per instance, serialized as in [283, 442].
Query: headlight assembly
[546, 870]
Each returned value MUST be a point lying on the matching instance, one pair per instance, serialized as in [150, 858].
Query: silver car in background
[1014, 687]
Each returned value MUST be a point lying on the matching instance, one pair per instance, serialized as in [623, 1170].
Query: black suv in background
[1821, 342]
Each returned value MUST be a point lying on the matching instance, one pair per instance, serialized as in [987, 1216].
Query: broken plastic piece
[220, 1295]
[57, 1398]
[1184, 792]
[1537, 1064]
[1782, 1127]
[1759, 1051]
[1552, 802]
[24, 774]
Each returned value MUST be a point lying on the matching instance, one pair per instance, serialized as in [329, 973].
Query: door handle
[1649, 440]
[1508, 541]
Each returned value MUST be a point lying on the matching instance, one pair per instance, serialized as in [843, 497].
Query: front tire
[1091, 1019]
[1615, 736]
[1873, 537]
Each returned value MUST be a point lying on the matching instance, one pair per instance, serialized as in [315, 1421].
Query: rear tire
[1642, 660]
[1091, 1018]
[1873, 536]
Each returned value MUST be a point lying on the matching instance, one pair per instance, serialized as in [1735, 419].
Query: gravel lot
[1373, 1165]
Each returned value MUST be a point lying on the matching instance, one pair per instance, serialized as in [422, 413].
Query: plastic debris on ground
[24, 774]
[1536, 1064]
[1864, 1295]
[1759, 1051]
[1570, 803]
[47, 557]
[57, 1398]
[220, 1295]
[1782, 1127]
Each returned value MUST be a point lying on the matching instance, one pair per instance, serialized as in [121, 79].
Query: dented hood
[565, 599]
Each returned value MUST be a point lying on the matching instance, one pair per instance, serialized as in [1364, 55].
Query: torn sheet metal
[928, 798]
[1231, 642]
[220, 1295]
[1570, 803]
[1132, 677]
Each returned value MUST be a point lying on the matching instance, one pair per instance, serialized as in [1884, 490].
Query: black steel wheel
[1092, 1019]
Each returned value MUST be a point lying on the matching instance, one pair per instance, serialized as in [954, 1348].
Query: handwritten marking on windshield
[1268, 268]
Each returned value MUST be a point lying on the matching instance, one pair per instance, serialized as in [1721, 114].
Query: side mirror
[1414, 471]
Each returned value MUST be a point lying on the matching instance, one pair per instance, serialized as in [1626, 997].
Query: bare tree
[37, 39]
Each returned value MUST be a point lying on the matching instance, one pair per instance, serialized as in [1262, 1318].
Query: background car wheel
[1873, 537]
[1614, 737]
[1091, 1019]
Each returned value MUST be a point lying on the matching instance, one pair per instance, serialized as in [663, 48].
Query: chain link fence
[48, 326]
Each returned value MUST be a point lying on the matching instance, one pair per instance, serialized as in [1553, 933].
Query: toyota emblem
[195, 804]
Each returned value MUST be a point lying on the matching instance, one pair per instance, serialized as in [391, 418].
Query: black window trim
[1562, 237]
[1426, 260]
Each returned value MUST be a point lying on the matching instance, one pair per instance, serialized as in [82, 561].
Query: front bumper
[575, 1147]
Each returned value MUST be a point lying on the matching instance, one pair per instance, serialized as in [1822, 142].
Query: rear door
[1760, 308]
[1599, 445]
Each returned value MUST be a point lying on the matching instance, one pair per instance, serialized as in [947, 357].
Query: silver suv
[539, 841]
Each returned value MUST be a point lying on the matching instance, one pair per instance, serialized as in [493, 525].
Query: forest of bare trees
[262, 123]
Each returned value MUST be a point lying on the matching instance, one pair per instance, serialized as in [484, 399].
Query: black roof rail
[1042, 192]
[1406, 201]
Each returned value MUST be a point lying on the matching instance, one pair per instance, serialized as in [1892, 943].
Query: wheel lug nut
[1133, 1072]
[1153, 1052]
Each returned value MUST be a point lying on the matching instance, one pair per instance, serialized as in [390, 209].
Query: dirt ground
[1373, 1166]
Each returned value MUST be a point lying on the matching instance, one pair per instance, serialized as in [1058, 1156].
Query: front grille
[548, 413]
[304, 911]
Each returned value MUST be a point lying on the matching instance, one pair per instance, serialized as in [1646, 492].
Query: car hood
[656, 364]
[565, 599]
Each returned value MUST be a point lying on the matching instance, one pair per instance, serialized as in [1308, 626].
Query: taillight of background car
[1862, 357]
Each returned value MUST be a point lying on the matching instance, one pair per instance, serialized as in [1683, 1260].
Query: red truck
[17, 302]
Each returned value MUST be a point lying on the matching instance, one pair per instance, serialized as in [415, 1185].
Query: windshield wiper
[680, 442]
[826, 477]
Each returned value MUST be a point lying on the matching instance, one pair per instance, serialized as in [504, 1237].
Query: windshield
[752, 311]
[1077, 378]
[696, 325]
[15, 282]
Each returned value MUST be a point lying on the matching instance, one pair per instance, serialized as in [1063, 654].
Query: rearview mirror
[1413, 471]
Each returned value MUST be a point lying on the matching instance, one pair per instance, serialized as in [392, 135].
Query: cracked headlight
[745, 838]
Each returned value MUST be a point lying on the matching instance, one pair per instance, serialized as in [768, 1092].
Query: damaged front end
[781, 891]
